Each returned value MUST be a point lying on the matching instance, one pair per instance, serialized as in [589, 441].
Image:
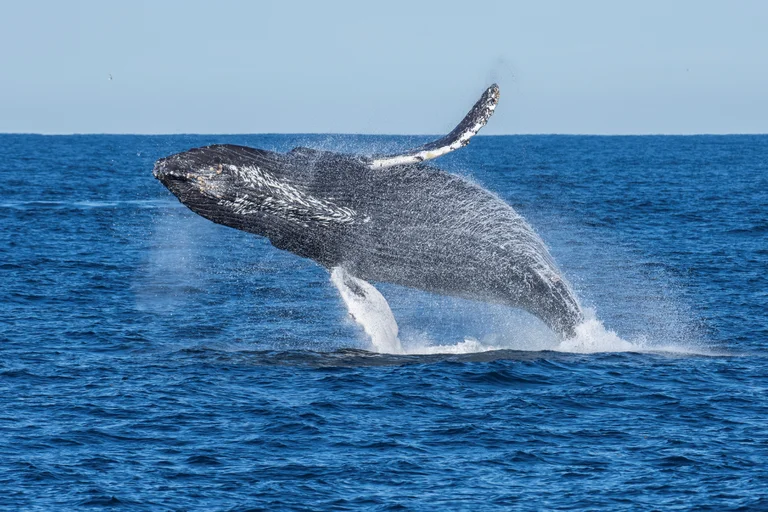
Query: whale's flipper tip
[459, 137]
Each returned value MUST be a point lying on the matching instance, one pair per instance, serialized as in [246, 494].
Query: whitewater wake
[370, 310]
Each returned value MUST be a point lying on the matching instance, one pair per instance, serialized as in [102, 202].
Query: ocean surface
[152, 360]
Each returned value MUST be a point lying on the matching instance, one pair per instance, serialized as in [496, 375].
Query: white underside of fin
[477, 117]
[370, 309]
[416, 157]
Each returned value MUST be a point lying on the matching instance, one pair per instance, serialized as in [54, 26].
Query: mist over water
[150, 359]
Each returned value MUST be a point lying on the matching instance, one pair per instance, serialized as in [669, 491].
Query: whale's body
[401, 222]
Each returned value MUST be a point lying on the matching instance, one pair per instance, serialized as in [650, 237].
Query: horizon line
[348, 134]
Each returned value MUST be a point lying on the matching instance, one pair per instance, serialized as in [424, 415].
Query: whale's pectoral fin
[459, 137]
[370, 309]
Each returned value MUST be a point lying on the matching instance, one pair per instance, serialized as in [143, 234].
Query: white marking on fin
[370, 309]
[459, 136]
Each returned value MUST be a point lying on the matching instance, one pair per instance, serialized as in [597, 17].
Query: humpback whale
[381, 218]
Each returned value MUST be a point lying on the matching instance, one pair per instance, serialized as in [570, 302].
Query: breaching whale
[385, 218]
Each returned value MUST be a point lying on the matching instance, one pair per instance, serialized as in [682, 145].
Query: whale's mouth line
[164, 169]
[171, 176]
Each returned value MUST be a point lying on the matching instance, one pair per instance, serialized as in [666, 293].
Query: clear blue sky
[383, 67]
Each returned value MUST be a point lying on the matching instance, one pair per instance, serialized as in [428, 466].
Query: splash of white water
[370, 309]
[592, 337]
[468, 346]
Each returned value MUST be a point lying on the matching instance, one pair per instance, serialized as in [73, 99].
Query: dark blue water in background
[150, 359]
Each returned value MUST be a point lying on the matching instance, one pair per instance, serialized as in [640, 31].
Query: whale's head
[234, 186]
[253, 190]
[196, 177]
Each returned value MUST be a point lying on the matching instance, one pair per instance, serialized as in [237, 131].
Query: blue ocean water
[150, 359]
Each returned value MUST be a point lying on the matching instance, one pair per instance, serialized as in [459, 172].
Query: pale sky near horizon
[407, 67]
